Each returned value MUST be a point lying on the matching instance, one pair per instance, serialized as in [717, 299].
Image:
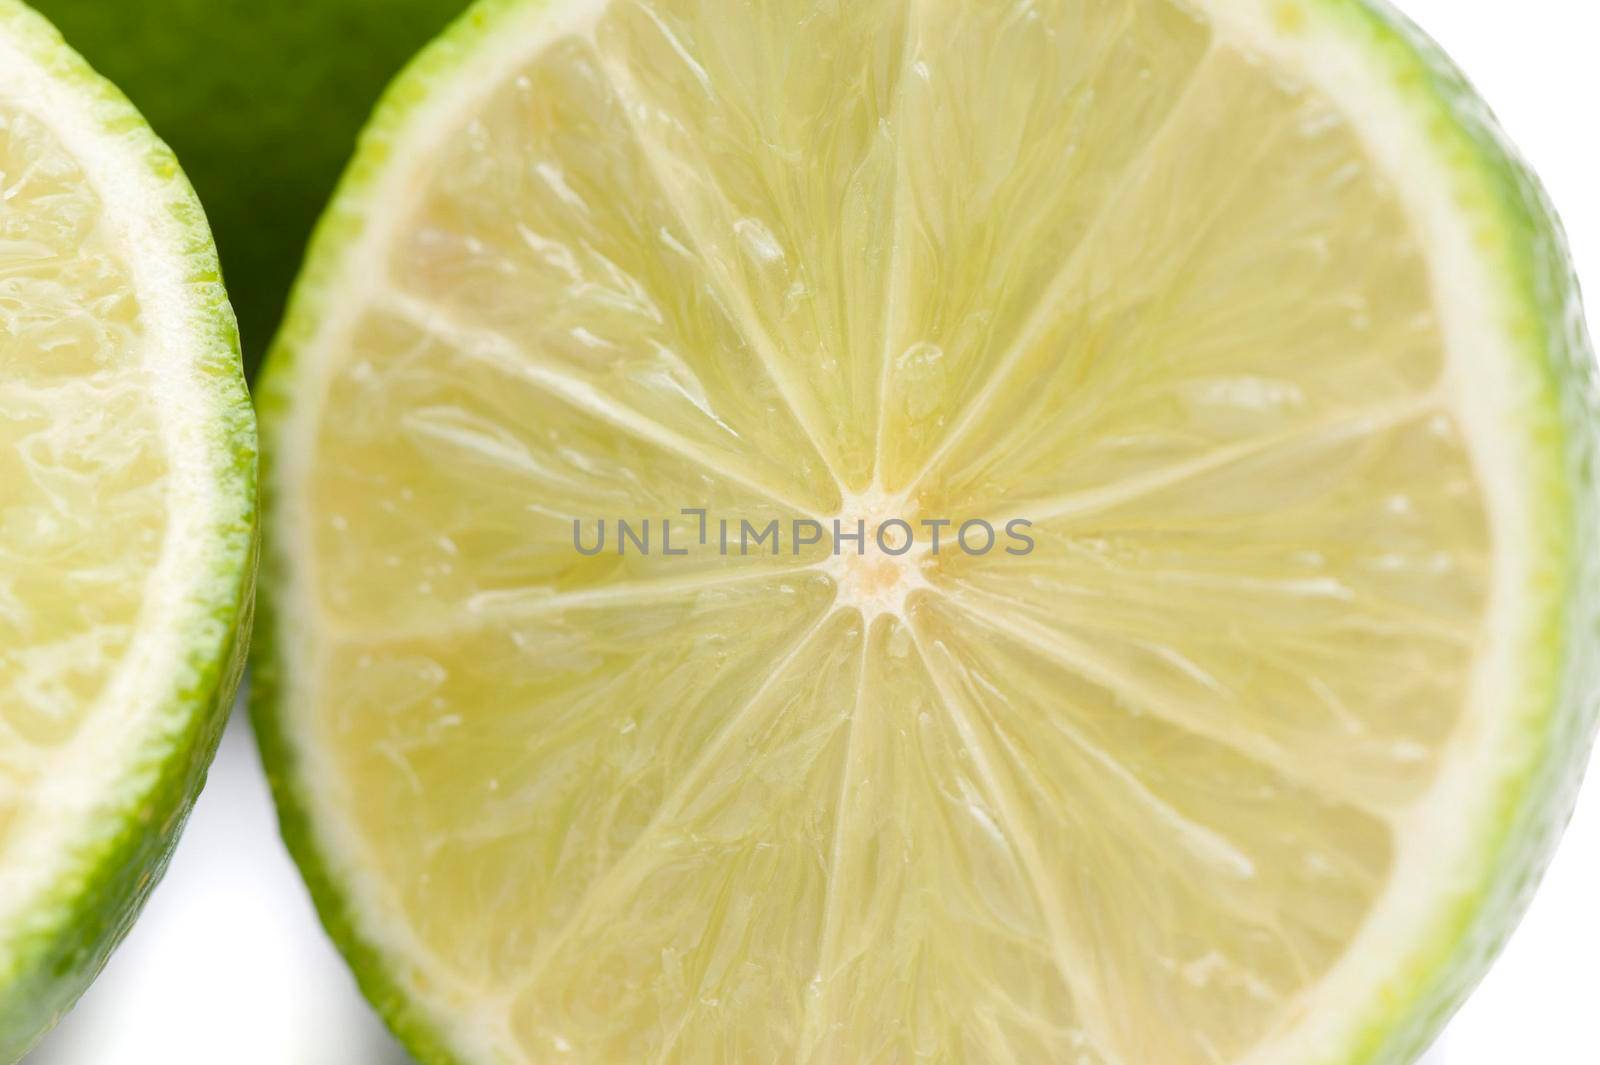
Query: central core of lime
[878, 573]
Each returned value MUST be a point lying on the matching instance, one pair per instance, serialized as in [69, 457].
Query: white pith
[89, 774]
[1442, 831]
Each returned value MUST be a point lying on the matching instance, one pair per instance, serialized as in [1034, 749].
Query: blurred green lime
[262, 103]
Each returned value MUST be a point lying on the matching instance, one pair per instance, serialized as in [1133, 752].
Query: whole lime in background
[262, 103]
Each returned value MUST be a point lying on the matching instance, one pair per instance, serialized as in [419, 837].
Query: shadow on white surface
[228, 962]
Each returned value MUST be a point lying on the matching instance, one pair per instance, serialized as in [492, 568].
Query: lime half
[1235, 359]
[127, 518]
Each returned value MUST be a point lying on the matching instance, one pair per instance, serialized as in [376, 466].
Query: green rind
[1519, 229]
[345, 217]
[47, 963]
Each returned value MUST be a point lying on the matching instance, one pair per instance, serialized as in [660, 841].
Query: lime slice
[1241, 743]
[127, 518]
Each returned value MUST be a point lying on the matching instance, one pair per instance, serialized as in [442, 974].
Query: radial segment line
[733, 296]
[1208, 846]
[1065, 947]
[826, 946]
[1040, 317]
[1334, 428]
[1077, 657]
[614, 878]
[895, 276]
[501, 353]
[526, 604]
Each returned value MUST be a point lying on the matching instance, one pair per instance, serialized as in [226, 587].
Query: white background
[229, 965]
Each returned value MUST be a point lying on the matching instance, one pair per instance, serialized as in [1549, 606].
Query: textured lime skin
[262, 102]
[1518, 230]
[48, 961]
[1518, 233]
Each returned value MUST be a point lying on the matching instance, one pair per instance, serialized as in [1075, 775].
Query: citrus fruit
[618, 702]
[262, 102]
[127, 518]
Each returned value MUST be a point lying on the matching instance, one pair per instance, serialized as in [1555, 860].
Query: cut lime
[127, 518]
[1251, 683]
